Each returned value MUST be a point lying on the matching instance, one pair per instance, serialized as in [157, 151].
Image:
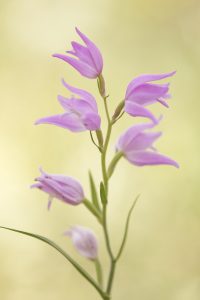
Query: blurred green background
[161, 260]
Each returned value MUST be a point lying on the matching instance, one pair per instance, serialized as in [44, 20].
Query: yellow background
[162, 256]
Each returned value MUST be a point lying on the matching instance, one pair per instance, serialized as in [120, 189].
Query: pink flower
[137, 146]
[84, 240]
[87, 59]
[64, 188]
[141, 93]
[81, 113]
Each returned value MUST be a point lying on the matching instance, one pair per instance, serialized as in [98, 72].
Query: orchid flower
[84, 240]
[87, 59]
[81, 113]
[64, 188]
[141, 93]
[137, 146]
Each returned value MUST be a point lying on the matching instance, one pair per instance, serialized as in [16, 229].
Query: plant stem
[106, 234]
[111, 276]
[105, 182]
[99, 273]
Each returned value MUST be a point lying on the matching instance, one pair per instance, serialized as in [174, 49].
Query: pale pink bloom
[64, 188]
[84, 240]
[81, 113]
[141, 93]
[86, 59]
[137, 146]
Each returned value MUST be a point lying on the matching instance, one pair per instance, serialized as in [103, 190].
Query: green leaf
[99, 137]
[114, 162]
[67, 256]
[126, 228]
[93, 191]
[90, 206]
[103, 194]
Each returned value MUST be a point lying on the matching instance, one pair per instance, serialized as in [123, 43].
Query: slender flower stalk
[105, 181]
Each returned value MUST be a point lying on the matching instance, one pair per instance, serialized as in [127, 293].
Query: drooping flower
[64, 188]
[141, 93]
[81, 113]
[137, 146]
[87, 59]
[84, 240]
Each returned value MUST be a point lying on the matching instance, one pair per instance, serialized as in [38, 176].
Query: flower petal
[66, 193]
[143, 158]
[66, 181]
[145, 78]
[143, 141]
[82, 53]
[128, 136]
[137, 110]
[84, 94]
[94, 51]
[146, 93]
[46, 188]
[83, 68]
[75, 106]
[69, 121]
[91, 121]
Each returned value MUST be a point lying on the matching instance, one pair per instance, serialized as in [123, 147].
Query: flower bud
[118, 110]
[84, 240]
[64, 188]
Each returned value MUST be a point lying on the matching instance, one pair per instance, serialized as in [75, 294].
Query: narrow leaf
[61, 251]
[114, 162]
[93, 191]
[126, 228]
[103, 194]
[90, 206]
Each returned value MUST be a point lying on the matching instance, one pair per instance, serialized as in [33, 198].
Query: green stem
[105, 182]
[99, 272]
[105, 177]
[106, 234]
[103, 157]
[111, 276]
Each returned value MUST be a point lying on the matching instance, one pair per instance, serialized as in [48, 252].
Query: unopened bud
[118, 110]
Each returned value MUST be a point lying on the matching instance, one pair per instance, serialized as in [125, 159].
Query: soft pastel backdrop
[161, 260]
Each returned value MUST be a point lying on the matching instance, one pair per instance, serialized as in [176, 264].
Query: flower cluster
[136, 144]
